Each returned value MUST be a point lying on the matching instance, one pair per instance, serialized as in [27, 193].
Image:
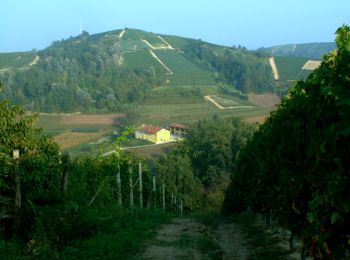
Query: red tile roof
[182, 126]
[150, 129]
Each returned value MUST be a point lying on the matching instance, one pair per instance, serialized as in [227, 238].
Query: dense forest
[246, 70]
[103, 72]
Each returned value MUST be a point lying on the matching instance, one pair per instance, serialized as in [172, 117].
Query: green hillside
[290, 68]
[114, 70]
[16, 59]
[307, 50]
[184, 71]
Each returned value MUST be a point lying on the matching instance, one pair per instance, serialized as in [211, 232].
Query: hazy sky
[28, 24]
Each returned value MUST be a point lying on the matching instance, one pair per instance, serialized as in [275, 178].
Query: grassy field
[75, 132]
[72, 138]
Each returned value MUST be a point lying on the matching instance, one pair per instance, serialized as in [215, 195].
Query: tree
[33, 178]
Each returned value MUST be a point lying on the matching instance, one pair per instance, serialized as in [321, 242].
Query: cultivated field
[79, 133]
[311, 65]
[290, 68]
[268, 101]
[70, 138]
[100, 119]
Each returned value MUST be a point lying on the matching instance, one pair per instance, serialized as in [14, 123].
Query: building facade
[154, 134]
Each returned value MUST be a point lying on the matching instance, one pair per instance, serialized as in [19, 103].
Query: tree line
[244, 70]
[200, 166]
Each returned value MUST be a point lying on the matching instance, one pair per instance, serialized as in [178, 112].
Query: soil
[102, 119]
[274, 68]
[265, 100]
[231, 241]
[170, 242]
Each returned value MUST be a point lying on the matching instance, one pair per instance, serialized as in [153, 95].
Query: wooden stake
[119, 187]
[64, 181]
[154, 191]
[18, 192]
[163, 197]
[140, 187]
[131, 187]
[172, 201]
[181, 207]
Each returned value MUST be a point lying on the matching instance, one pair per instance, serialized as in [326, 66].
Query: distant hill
[307, 50]
[111, 70]
[17, 60]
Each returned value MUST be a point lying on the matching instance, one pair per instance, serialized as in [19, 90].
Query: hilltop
[112, 70]
[313, 50]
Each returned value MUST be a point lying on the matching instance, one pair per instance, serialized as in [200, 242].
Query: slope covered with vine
[297, 164]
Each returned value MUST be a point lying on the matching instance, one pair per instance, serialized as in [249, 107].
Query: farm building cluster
[157, 134]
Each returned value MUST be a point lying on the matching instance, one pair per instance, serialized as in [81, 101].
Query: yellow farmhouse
[154, 134]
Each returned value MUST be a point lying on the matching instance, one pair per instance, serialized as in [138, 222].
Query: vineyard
[292, 172]
[295, 168]
[290, 68]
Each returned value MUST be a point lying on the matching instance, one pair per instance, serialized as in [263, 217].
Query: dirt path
[169, 46]
[231, 241]
[121, 34]
[183, 239]
[176, 241]
[214, 102]
[161, 63]
[274, 68]
[35, 61]
[209, 98]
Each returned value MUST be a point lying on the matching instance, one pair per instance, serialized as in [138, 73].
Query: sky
[29, 24]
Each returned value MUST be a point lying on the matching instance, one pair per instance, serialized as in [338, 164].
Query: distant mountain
[307, 50]
[106, 71]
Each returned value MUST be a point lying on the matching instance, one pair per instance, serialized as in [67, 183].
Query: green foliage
[175, 171]
[237, 67]
[58, 220]
[37, 169]
[200, 167]
[121, 235]
[297, 164]
[231, 91]
[16, 59]
[290, 68]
